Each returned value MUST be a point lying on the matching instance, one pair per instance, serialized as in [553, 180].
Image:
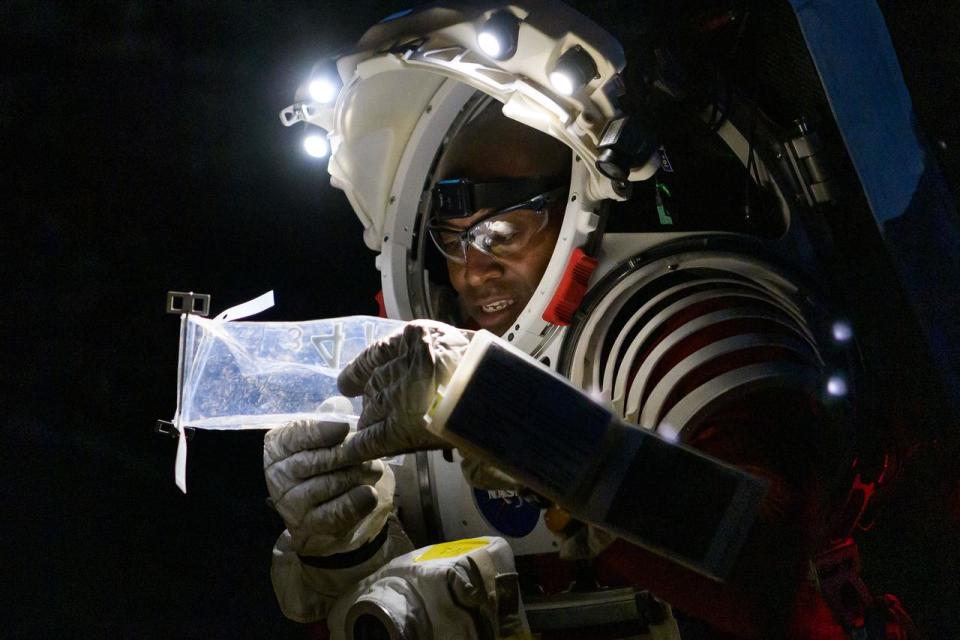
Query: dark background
[143, 153]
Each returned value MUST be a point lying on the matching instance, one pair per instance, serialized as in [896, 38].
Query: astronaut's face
[494, 290]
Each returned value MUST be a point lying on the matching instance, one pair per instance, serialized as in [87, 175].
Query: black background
[143, 153]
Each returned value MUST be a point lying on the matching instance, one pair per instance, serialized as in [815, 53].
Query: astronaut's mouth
[499, 305]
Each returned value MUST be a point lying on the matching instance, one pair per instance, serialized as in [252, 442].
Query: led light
[489, 43]
[498, 36]
[316, 145]
[575, 68]
[837, 386]
[323, 90]
[842, 331]
[562, 82]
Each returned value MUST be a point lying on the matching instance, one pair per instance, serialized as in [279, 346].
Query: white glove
[398, 378]
[329, 504]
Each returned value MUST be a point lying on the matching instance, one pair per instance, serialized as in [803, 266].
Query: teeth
[499, 305]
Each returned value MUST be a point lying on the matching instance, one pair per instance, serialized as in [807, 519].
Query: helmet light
[316, 145]
[324, 84]
[323, 90]
[575, 68]
[842, 331]
[837, 386]
[562, 82]
[497, 38]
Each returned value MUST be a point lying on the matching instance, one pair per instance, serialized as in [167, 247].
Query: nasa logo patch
[507, 512]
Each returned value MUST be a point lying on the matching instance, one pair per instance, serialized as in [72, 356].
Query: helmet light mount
[315, 101]
[625, 147]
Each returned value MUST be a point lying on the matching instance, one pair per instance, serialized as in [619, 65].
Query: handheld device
[507, 408]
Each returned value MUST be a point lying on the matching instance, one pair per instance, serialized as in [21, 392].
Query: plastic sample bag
[259, 375]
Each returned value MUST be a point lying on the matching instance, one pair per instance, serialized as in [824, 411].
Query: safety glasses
[501, 233]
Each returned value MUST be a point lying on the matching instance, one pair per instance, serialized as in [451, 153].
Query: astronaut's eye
[508, 233]
[502, 230]
[501, 234]
[449, 243]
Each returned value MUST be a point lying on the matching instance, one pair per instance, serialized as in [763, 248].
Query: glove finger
[292, 470]
[395, 389]
[377, 394]
[398, 390]
[436, 349]
[307, 495]
[371, 443]
[446, 355]
[300, 435]
[383, 439]
[355, 375]
[338, 515]
[415, 338]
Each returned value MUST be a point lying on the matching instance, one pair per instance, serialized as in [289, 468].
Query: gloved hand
[329, 503]
[398, 377]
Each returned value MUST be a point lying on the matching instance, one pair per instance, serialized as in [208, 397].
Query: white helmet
[388, 107]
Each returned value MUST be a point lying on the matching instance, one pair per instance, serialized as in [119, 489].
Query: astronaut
[485, 183]
[339, 526]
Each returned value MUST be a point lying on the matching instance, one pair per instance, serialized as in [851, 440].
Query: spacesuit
[703, 329]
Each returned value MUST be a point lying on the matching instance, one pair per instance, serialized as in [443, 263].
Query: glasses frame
[540, 203]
